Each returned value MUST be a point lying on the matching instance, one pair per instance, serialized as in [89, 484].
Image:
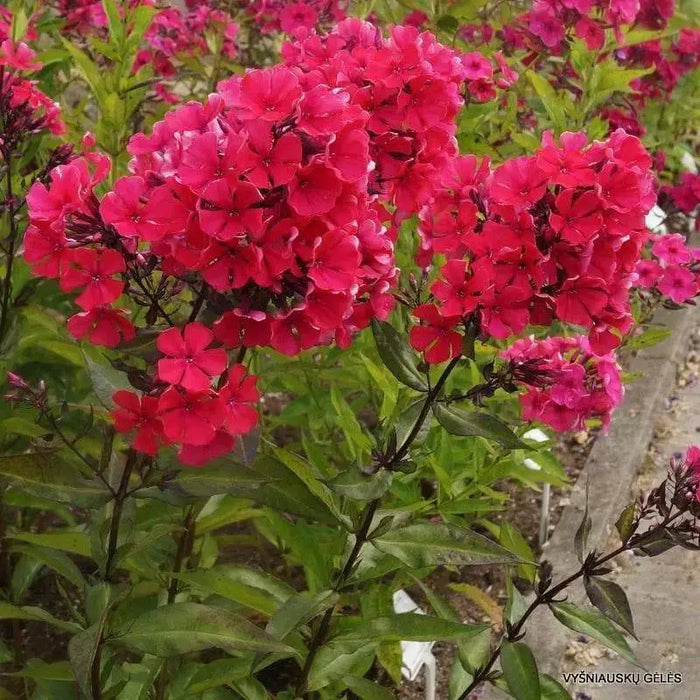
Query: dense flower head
[672, 268]
[555, 235]
[412, 88]
[202, 423]
[294, 16]
[691, 463]
[686, 192]
[586, 385]
[258, 201]
[174, 34]
[25, 108]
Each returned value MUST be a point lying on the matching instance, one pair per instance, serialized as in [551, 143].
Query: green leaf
[397, 356]
[355, 436]
[72, 542]
[649, 338]
[105, 380]
[27, 612]
[49, 475]
[217, 673]
[516, 604]
[297, 611]
[551, 689]
[336, 660]
[248, 587]
[182, 628]
[513, 541]
[611, 600]
[434, 544]
[57, 671]
[625, 523]
[520, 671]
[365, 689]
[53, 559]
[552, 103]
[221, 477]
[407, 627]
[474, 424]
[89, 70]
[114, 22]
[306, 473]
[357, 486]
[286, 492]
[82, 652]
[596, 625]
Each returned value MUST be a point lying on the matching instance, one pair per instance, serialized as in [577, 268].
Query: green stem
[321, 634]
[6, 303]
[119, 500]
[184, 549]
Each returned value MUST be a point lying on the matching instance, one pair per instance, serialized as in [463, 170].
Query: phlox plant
[272, 352]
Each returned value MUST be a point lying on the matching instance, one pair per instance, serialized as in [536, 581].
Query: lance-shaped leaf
[182, 628]
[408, 627]
[596, 625]
[28, 612]
[433, 544]
[611, 600]
[248, 587]
[357, 486]
[365, 689]
[475, 424]
[297, 611]
[625, 523]
[397, 356]
[552, 689]
[311, 478]
[50, 476]
[520, 671]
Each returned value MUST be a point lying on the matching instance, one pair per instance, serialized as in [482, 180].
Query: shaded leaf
[475, 424]
[397, 356]
[248, 587]
[596, 625]
[182, 628]
[611, 600]
[520, 671]
[433, 544]
[297, 611]
[28, 612]
[365, 689]
[49, 475]
[353, 484]
[551, 689]
[625, 523]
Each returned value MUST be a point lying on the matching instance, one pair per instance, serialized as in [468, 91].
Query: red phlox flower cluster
[295, 17]
[549, 22]
[186, 410]
[258, 201]
[411, 85]
[686, 193]
[583, 384]
[174, 34]
[692, 465]
[672, 269]
[556, 235]
[33, 111]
